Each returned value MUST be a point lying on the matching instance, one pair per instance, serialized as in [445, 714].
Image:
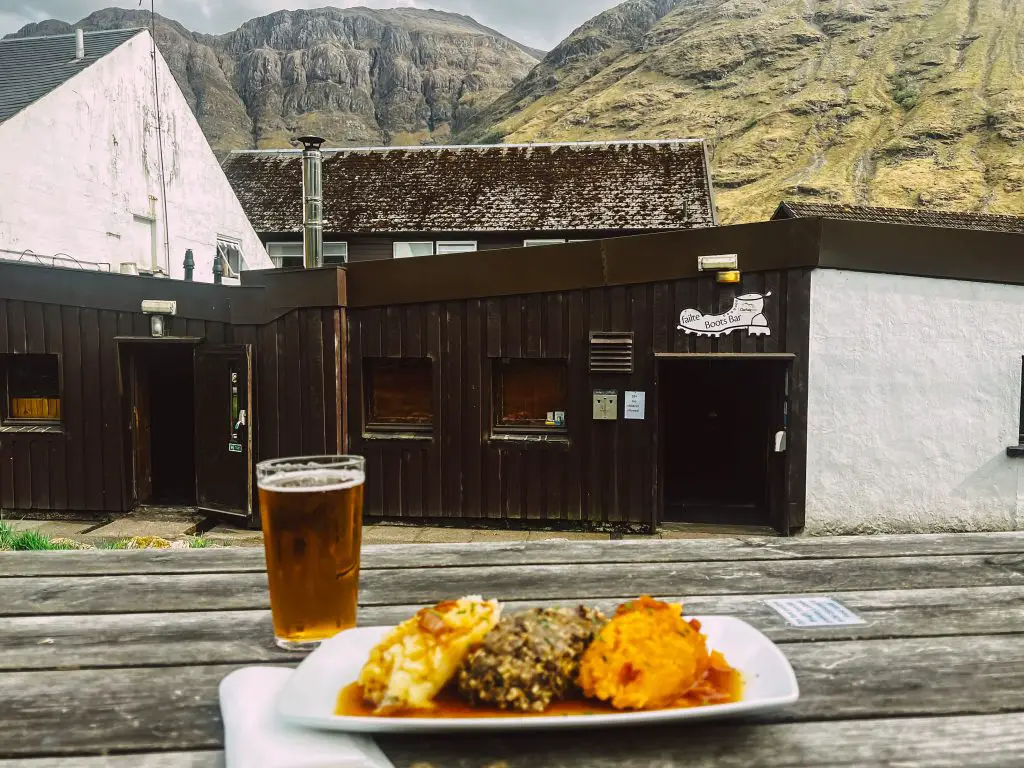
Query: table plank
[250, 559]
[238, 591]
[990, 741]
[175, 708]
[207, 759]
[981, 741]
[222, 637]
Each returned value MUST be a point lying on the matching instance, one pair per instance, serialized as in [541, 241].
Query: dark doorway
[720, 417]
[160, 384]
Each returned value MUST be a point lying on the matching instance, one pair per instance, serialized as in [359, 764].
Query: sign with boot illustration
[747, 313]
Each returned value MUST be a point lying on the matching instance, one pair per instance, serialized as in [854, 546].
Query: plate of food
[468, 664]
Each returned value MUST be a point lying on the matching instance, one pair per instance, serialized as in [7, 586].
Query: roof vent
[611, 352]
[79, 45]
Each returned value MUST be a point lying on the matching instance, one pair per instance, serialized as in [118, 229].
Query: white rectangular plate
[310, 695]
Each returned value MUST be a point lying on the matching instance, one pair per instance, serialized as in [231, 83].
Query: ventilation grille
[611, 352]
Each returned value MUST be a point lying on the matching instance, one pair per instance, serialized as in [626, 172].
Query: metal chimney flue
[79, 45]
[312, 202]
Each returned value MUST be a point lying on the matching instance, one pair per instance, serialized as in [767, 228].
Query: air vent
[611, 352]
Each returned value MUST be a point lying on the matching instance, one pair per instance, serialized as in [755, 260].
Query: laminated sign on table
[814, 612]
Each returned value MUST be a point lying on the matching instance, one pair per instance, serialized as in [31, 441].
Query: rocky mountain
[881, 102]
[355, 76]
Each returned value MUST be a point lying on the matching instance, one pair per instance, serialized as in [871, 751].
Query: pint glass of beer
[312, 511]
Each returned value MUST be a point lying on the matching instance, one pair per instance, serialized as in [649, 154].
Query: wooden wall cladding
[84, 467]
[601, 472]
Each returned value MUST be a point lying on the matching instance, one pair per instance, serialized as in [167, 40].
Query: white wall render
[913, 397]
[80, 173]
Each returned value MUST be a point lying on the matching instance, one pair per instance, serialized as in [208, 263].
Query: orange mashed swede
[649, 657]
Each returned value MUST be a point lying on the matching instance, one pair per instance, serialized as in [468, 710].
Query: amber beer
[312, 511]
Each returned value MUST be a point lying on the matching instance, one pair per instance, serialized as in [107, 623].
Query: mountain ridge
[357, 76]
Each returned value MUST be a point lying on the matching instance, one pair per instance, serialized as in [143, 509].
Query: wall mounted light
[731, 276]
[156, 309]
[717, 263]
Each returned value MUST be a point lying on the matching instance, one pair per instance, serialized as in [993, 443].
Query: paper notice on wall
[814, 612]
[634, 405]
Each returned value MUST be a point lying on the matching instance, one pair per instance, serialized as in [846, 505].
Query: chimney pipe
[79, 45]
[312, 202]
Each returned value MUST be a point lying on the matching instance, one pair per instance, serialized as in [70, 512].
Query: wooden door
[778, 449]
[223, 408]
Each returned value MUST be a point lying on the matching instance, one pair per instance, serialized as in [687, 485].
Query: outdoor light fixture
[715, 263]
[156, 309]
[728, 276]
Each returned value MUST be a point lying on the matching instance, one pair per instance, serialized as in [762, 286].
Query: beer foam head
[312, 478]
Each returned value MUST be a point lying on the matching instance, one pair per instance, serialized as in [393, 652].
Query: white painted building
[914, 398]
[99, 167]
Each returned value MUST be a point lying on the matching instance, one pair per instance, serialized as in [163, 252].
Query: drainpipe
[79, 45]
[312, 202]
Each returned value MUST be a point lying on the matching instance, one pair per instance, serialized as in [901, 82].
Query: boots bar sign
[747, 314]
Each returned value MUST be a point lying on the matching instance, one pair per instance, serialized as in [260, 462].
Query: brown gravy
[719, 687]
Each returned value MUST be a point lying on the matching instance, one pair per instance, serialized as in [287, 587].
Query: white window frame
[341, 246]
[297, 259]
[226, 240]
[397, 243]
[455, 246]
[543, 241]
[279, 259]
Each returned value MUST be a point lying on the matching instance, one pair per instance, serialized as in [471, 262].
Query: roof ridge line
[429, 147]
[71, 34]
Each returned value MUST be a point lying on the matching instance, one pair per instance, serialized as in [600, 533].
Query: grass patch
[34, 541]
[28, 541]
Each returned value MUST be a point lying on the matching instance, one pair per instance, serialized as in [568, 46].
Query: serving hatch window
[529, 394]
[32, 388]
[399, 394]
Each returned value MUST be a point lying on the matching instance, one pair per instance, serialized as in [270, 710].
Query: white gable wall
[80, 173]
[913, 397]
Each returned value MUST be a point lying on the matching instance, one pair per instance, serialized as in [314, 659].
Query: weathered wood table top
[114, 658]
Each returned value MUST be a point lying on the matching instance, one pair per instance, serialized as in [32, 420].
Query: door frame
[778, 491]
[127, 346]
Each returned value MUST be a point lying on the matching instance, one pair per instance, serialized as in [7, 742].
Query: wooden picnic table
[113, 658]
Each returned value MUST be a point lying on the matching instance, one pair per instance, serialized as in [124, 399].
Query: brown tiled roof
[920, 217]
[539, 187]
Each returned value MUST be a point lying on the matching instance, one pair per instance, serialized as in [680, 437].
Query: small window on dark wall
[399, 394]
[32, 387]
[529, 394]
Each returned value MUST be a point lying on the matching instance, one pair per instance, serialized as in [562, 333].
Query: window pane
[456, 247]
[527, 391]
[335, 253]
[33, 387]
[399, 392]
[285, 249]
[405, 250]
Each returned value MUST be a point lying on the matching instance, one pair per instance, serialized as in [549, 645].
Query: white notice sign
[634, 405]
[814, 612]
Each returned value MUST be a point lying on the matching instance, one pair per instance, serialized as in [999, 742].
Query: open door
[778, 452]
[223, 404]
[142, 487]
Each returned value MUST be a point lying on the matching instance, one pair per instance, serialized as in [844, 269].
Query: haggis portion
[529, 659]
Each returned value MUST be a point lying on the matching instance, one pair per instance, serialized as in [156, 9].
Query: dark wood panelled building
[101, 414]
[584, 384]
[397, 202]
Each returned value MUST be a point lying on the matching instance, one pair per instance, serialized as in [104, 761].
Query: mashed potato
[422, 654]
[646, 657]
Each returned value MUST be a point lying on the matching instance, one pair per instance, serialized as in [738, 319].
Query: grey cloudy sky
[540, 23]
